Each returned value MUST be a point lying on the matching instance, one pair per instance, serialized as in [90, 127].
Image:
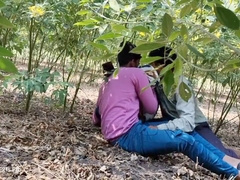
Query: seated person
[118, 107]
[185, 116]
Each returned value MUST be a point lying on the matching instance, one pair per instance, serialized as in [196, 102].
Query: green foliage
[5, 52]
[167, 68]
[146, 47]
[115, 73]
[99, 46]
[114, 5]
[232, 65]
[6, 65]
[167, 24]
[39, 81]
[58, 96]
[227, 17]
[148, 60]
[109, 35]
[178, 70]
[185, 10]
[184, 91]
[195, 51]
[168, 81]
[5, 23]
[141, 29]
[1, 4]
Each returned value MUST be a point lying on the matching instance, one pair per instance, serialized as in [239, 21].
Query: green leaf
[168, 82]
[5, 52]
[148, 60]
[140, 29]
[102, 28]
[182, 2]
[98, 19]
[118, 28]
[86, 22]
[99, 46]
[167, 24]
[174, 36]
[62, 95]
[184, 91]
[214, 26]
[183, 51]
[5, 23]
[144, 1]
[167, 68]
[1, 78]
[184, 31]
[1, 4]
[226, 17]
[194, 5]
[147, 47]
[110, 35]
[238, 9]
[226, 81]
[178, 69]
[106, 56]
[237, 33]
[185, 10]
[115, 73]
[7, 66]
[231, 65]
[195, 51]
[114, 5]
[83, 12]
[204, 40]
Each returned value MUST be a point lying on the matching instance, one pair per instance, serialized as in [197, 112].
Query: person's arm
[185, 110]
[96, 118]
[146, 95]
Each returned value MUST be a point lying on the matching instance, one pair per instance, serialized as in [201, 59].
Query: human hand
[153, 127]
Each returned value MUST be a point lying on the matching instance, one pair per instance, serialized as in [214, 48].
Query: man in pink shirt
[117, 112]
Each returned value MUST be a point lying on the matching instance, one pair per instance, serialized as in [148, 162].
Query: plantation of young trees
[51, 46]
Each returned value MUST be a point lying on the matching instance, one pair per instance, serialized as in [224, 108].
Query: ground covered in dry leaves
[48, 144]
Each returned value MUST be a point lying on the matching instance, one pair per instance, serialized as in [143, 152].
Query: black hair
[164, 53]
[108, 69]
[124, 56]
[108, 66]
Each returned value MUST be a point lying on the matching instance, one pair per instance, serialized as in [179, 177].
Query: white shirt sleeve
[185, 110]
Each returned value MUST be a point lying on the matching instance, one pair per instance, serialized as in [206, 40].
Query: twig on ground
[47, 170]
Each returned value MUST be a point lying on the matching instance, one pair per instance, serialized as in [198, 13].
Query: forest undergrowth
[49, 144]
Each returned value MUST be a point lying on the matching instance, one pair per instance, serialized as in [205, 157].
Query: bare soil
[49, 144]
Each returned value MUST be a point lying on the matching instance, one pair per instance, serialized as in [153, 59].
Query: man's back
[119, 101]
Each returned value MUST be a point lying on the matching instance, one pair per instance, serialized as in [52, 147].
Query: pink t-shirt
[119, 101]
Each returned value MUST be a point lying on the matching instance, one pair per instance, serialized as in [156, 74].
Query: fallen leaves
[47, 144]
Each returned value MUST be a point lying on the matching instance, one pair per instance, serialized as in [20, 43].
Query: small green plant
[38, 81]
[59, 96]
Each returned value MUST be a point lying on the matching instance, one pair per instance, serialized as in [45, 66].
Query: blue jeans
[206, 132]
[146, 141]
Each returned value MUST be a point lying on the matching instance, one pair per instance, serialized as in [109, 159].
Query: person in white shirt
[183, 115]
